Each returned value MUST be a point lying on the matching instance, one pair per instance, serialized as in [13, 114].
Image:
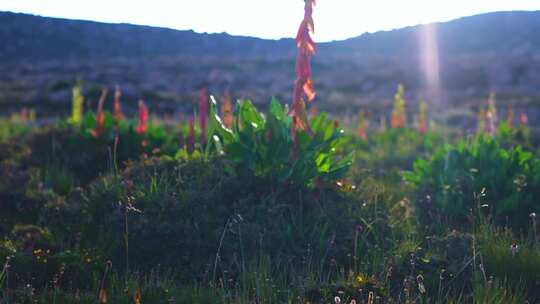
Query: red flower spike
[100, 115]
[309, 90]
[117, 106]
[203, 114]
[143, 118]
[303, 85]
[300, 117]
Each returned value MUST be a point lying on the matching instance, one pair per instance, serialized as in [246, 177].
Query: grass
[157, 223]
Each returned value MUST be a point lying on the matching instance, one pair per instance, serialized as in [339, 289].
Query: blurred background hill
[40, 59]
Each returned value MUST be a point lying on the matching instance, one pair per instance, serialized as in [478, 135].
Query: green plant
[11, 128]
[510, 259]
[269, 146]
[496, 292]
[447, 182]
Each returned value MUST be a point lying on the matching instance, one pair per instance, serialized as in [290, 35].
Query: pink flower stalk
[203, 114]
[143, 118]
[117, 106]
[100, 115]
[24, 114]
[191, 135]
[481, 121]
[363, 125]
[303, 85]
[490, 124]
[422, 125]
[524, 119]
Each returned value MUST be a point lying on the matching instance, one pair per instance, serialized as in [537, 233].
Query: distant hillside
[41, 57]
[492, 33]
[31, 37]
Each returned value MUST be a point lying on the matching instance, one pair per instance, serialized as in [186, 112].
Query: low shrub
[272, 147]
[205, 220]
[476, 177]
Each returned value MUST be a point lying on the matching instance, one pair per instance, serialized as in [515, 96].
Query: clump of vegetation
[270, 147]
[476, 177]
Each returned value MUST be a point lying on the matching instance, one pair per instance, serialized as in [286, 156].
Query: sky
[334, 19]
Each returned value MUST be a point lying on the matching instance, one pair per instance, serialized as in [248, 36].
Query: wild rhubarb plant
[269, 146]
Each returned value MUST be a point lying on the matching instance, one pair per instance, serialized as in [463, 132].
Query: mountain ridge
[35, 37]
[42, 57]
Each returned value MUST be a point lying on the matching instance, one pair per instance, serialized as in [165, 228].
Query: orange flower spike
[300, 118]
[117, 106]
[227, 111]
[422, 125]
[137, 298]
[143, 118]
[481, 119]
[399, 117]
[309, 90]
[510, 117]
[100, 115]
[363, 125]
